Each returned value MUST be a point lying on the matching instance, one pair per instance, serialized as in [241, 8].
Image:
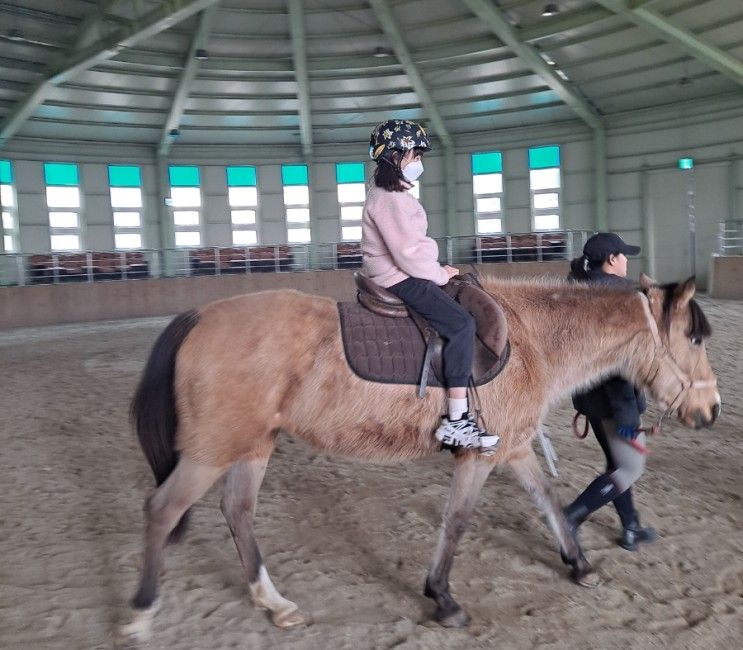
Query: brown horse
[223, 381]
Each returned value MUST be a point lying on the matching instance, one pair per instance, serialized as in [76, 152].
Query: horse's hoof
[139, 630]
[588, 579]
[457, 619]
[289, 618]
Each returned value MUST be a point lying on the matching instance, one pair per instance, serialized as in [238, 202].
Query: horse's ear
[684, 292]
[646, 282]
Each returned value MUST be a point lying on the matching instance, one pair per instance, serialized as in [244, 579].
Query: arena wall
[95, 301]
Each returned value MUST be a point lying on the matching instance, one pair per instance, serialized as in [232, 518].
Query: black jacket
[616, 398]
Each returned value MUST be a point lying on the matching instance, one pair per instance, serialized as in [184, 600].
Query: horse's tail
[153, 411]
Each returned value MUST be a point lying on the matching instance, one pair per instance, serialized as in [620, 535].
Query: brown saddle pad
[391, 350]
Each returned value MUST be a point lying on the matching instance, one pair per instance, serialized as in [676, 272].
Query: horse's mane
[491, 283]
[699, 328]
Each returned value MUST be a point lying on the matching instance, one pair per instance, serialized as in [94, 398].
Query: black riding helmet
[397, 135]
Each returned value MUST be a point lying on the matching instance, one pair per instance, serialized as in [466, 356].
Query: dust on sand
[349, 543]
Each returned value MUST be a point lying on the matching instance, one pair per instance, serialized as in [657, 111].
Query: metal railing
[98, 266]
[730, 237]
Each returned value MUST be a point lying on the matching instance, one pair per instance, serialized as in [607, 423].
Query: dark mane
[700, 327]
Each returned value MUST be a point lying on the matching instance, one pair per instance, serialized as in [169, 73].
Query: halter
[662, 352]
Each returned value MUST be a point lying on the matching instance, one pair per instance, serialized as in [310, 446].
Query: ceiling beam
[191, 67]
[91, 29]
[299, 52]
[651, 20]
[163, 17]
[389, 26]
[499, 25]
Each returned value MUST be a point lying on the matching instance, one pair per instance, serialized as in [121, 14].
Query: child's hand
[451, 271]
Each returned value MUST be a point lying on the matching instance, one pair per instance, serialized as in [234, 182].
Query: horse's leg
[188, 482]
[469, 476]
[238, 506]
[529, 472]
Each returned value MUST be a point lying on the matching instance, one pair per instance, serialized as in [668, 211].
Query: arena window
[297, 203]
[351, 196]
[125, 183]
[63, 201]
[9, 208]
[242, 192]
[185, 197]
[487, 187]
[545, 184]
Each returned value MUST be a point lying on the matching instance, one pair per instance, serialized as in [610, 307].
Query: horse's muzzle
[701, 421]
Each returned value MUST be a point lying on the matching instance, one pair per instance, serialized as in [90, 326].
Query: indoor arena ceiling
[312, 72]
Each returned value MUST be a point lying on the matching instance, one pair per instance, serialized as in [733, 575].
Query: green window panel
[183, 175]
[6, 172]
[294, 174]
[61, 174]
[350, 172]
[544, 157]
[490, 162]
[124, 176]
[242, 176]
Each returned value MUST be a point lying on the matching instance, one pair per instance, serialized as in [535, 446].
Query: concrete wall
[647, 193]
[86, 302]
[726, 277]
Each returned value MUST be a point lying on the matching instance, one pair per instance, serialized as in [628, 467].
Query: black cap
[603, 244]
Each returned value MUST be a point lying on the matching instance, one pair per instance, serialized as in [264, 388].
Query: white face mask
[412, 171]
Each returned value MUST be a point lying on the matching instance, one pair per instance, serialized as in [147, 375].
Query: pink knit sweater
[394, 244]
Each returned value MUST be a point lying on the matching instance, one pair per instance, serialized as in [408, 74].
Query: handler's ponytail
[579, 268]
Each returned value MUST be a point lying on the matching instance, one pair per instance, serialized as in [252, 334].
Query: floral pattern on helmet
[397, 135]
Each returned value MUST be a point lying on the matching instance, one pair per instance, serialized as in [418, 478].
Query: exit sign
[686, 163]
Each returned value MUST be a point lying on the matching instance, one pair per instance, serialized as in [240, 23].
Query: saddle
[386, 341]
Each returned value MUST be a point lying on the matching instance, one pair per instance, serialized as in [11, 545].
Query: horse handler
[613, 408]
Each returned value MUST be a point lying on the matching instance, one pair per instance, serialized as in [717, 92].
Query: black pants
[623, 503]
[452, 321]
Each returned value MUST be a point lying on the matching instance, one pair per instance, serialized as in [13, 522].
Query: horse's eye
[696, 340]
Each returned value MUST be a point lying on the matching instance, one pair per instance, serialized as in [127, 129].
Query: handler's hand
[628, 433]
[451, 271]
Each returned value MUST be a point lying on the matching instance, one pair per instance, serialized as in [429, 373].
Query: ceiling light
[381, 52]
[547, 58]
[550, 9]
[513, 18]
[201, 55]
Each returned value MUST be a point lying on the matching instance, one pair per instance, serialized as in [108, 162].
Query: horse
[222, 381]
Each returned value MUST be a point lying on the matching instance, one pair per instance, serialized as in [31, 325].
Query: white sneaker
[465, 433]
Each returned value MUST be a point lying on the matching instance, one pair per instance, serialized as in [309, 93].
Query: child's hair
[580, 266]
[388, 174]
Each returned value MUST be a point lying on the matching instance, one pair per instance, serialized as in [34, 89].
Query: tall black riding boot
[632, 532]
[599, 492]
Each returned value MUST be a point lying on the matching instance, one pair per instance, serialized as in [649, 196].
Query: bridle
[661, 353]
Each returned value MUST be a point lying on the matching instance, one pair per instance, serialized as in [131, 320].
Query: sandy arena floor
[350, 543]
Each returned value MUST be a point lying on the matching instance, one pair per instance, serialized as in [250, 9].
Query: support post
[648, 222]
[600, 176]
[450, 187]
[166, 228]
